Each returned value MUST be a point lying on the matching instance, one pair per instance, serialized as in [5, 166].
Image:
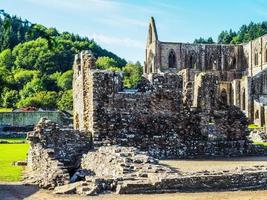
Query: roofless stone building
[192, 102]
[186, 105]
[241, 69]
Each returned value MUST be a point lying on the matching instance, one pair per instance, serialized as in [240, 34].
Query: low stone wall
[236, 181]
[28, 118]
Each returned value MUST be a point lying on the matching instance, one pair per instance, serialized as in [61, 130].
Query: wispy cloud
[118, 41]
[79, 5]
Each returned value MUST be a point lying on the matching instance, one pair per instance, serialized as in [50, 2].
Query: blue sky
[121, 25]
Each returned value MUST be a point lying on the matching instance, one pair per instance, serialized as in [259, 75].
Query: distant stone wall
[28, 118]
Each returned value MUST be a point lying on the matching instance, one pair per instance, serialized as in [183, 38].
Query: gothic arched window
[172, 59]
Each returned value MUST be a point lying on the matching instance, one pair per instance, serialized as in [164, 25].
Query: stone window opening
[172, 59]
[256, 61]
[234, 62]
[257, 114]
[265, 55]
[224, 97]
[243, 99]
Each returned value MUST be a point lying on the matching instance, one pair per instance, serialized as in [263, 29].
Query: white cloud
[118, 41]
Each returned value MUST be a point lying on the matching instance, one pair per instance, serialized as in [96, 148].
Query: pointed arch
[172, 59]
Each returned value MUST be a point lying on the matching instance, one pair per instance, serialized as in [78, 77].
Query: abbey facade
[242, 70]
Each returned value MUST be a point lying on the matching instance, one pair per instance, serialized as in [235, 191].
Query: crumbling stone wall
[54, 153]
[235, 66]
[155, 118]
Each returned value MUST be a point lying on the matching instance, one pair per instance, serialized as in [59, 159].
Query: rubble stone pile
[126, 170]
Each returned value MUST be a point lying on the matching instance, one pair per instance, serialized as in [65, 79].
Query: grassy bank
[8, 154]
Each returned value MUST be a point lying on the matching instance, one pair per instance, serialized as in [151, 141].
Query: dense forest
[243, 35]
[36, 64]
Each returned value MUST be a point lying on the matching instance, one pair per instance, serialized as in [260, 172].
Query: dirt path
[246, 195]
[17, 191]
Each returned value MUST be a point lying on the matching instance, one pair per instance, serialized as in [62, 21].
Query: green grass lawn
[6, 109]
[261, 143]
[13, 140]
[8, 154]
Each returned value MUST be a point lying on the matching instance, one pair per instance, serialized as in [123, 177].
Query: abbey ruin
[241, 70]
[193, 101]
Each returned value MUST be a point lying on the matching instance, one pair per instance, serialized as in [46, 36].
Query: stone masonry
[155, 118]
[241, 69]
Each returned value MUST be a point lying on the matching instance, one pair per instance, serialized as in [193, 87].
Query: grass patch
[13, 140]
[261, 143]
[253, 126]
[6, 109]
[8, 154]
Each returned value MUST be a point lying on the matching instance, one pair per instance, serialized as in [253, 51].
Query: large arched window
[172, 59]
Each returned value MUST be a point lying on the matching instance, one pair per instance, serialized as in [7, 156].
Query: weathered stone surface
[241, 71]
[54, 152]
[156, 118]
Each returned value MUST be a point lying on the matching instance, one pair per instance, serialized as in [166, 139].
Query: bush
[43, 99]
[65, 102]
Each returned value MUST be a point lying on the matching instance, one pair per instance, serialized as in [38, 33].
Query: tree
[204, 41]
[106, 62]
[10, 98]
[31, 88]
[132, 75]
[65, 101]
[23, 76]
[6, 59]
[42, 99]
[65, 80]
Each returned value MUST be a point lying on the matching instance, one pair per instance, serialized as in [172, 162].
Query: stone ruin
[156, 117]
[193, 101]
[119, 136]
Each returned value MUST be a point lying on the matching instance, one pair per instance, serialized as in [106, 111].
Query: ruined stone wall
[157, 118]
[202, 57]
[206, 91]
[54, 152]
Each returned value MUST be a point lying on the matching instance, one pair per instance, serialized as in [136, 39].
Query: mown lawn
[13, 140]
[261, 143]
[6, 109]
[8, 154]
